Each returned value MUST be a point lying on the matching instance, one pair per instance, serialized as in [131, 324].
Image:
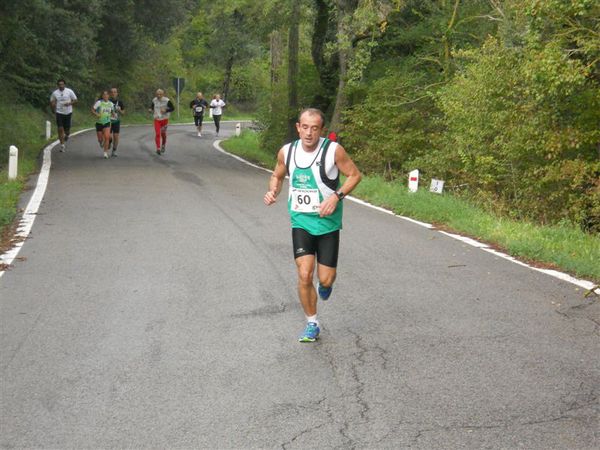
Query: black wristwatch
[340, 195]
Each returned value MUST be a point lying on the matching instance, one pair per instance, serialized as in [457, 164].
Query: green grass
[247, 146]
[565, 247]
[24, 127]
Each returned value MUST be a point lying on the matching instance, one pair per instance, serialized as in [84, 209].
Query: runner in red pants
[161, 108]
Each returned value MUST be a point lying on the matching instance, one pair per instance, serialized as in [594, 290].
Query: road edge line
[30, 212]
[585, 284]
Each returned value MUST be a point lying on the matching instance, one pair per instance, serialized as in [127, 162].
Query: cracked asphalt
[155, 307]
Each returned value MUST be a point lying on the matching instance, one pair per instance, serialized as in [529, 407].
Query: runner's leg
[106, 136]
[67, 126]
[61, 128]
[217, 119]
[157, 126]
[306, 289]
[163, 131]
[326, 275]
[328, 246]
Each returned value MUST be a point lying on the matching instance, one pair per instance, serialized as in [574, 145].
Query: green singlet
[105, 109]
[307, 190]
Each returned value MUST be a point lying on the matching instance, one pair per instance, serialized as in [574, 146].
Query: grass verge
[564, 247]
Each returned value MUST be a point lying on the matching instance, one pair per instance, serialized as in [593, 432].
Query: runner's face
[309, 130]
[105, 96]
[61, 86]
[114, 93]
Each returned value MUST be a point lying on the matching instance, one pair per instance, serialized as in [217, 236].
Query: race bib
[199, 109]
[305, 200]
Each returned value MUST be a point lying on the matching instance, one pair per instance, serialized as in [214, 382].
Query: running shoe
[105, 155]
[63, 147]
[162, 149]
[324, 292]
[310, 333]
[158, 151]
[199, 134]
[114, 153]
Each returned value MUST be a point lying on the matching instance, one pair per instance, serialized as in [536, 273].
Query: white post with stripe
[413, 180]
[13, 162]
[48, 130]
[238, 129]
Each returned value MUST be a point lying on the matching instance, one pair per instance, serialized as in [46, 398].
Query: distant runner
[161, 107]
[62, 101]
[198, 106]
[103, 109]
[217, 106]
[115, 120]
[315, 206]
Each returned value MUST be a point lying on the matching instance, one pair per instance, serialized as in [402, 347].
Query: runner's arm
[276, 180]
[170, 107]
[94, 109]
[347, 168]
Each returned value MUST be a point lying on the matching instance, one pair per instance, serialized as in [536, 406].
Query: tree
[293, 39]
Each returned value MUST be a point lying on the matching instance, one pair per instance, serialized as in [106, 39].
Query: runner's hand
[328, 206]
[270, 198]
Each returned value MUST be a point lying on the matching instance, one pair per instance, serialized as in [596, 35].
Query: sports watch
[340, 195]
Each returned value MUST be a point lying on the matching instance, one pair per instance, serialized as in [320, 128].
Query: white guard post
[238, 129]
[13, 162]
[48, 130]
[413, 180]
[437, 186]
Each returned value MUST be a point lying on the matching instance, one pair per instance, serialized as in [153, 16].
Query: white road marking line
[30, 213]
[553, 273]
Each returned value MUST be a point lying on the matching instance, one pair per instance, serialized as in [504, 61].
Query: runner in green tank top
[103, 109]
[315, 206]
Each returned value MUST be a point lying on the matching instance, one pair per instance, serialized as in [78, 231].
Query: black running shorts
[102, 126]
[198, 120]
[326, 246]
[115, 127]
[63, 121]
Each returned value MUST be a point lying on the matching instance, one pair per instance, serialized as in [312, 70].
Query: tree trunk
[293, 38]
[228, 71]
[327, 68]
[345, 8]
[276, 57]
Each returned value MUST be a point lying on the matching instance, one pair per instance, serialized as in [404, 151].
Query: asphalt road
[155, 307]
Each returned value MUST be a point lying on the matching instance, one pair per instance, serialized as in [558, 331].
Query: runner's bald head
[312, 112]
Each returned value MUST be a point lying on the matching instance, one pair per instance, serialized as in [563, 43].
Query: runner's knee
[305, 276]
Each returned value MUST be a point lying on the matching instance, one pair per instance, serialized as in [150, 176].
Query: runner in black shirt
[198, 105]
[115, 120]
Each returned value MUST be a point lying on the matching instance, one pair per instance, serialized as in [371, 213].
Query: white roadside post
[238, 129]
[413, 180]
[48, 130]
[13, 161]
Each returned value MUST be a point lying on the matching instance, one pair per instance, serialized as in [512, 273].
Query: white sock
[312, 319]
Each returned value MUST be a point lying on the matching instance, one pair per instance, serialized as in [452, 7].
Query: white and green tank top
[105, 109]
[313, 178]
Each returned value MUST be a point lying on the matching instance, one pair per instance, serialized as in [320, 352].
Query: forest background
[501, 99]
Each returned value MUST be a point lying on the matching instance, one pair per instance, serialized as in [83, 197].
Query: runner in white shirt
[217, 106]
[62, 101]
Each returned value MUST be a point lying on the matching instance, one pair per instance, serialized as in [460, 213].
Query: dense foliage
[501, 99]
